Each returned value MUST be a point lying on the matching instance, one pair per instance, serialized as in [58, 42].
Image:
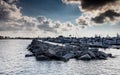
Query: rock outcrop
[45, 51]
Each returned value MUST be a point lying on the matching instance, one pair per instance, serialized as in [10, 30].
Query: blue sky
[54, 9]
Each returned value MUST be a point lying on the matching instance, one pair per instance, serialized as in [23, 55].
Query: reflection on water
[13, 62]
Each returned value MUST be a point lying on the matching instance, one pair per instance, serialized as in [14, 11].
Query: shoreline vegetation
[7, 37]
[64, 48]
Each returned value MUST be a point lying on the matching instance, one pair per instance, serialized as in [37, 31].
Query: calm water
[13, 62]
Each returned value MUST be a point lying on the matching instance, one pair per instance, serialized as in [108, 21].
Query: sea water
[14, 62]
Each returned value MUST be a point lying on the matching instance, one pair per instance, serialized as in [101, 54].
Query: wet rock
[85, 57]
[29, 55]
[61, 53]
[52, 55]
[102, 55]
[92, 55]
[42, 58]
[111, 56]
[68, 56]
[77, 54]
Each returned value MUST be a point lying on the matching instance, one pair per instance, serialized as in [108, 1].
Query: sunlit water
[13, 62]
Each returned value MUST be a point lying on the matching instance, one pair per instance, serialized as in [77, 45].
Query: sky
[43, 18]
[54, 9]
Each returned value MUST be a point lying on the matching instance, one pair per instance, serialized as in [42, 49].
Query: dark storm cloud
[110, 14]
[92, 4]
[95, 4]
[11, 1]
[99, 11]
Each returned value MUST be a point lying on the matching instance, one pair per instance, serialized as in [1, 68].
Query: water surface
[13, 62]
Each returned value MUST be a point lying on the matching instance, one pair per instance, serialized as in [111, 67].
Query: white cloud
[11, 19]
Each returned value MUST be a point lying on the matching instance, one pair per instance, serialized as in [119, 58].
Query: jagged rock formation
[46, 51]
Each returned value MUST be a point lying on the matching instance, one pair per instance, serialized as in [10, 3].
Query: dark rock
[111, 56]
[61, 53]
[42, 58]
[47, 51]
[52, 54]
[68, 56]
[102, 55]
[77, 54]
[92, 55]
[29, 55]
[85, 57]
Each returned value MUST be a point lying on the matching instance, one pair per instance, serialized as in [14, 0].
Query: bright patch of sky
[53, 9]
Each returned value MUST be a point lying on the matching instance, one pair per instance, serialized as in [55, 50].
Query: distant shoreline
[18, 39]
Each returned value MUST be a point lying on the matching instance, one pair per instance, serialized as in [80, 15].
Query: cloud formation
[9, 11]
[98, 11]
[11, 19]
[109, 15]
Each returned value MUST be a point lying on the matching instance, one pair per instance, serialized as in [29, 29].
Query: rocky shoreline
[43, 50]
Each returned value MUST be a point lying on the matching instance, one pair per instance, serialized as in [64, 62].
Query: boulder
[92, 55]
[61, 53]
[42, 58]
[102, 55]
[68, 56]
[77, 54]
[29, 55]
[111, 56]
[85, 57]
[52, 55]
[83, 52]
[51, 52]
